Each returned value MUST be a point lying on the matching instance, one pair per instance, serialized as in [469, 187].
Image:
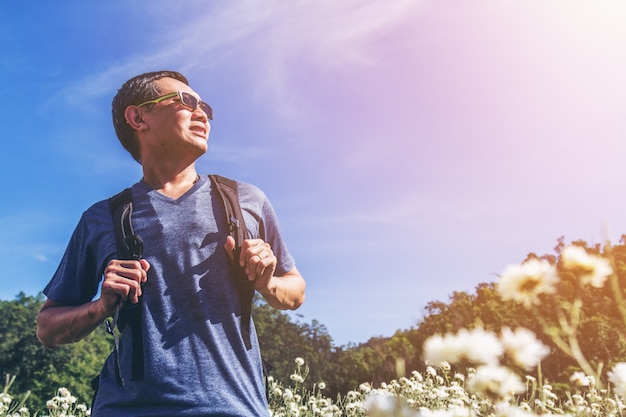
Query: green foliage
[282, 339]
[40, 370]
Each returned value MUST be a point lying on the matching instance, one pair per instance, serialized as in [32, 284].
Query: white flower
[296, 378]
[523, 347]
[477, 345]
[523, 283]
[353, 395]
[288, 395]
[385, 404]
[495, 381]
[299, 361]
[321, 385]
[589, 269]
[509, 410]
[365, 387]
[581, 380]
[482, 346]
[617, 377]
[438, 349]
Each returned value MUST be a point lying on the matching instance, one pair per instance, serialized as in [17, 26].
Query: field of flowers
[495, 381]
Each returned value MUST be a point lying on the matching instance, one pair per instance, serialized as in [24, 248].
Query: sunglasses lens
[189, 101]
[207, 109]
[192, 103]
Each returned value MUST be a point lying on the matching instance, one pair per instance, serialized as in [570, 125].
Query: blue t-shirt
[195, 360]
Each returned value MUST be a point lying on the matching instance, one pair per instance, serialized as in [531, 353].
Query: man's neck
[171, 184]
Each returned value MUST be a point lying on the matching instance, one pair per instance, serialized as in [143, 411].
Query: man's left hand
[258, 260]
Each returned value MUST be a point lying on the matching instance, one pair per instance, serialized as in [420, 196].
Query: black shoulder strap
[129, 246]
[227, 189]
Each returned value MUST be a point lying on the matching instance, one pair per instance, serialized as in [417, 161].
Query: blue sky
[411, 148]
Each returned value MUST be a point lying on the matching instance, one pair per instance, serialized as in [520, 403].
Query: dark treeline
[343, 368]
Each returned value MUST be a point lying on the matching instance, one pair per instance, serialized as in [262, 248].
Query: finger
[258, 248]
[247, 252]
[263, 266]
[257, 251]
[123, 288]
[145, 266]
[251, 267]
[267, 265]
[229, 246]
[260, 268]
[255, 266]
[249, 249]
[124, 278]
[133, 271]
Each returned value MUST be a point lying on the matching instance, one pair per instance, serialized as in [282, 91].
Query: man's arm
[285, 292]
[59, 324]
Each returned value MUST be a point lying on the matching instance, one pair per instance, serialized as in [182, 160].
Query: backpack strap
[227, 189]
[129, 246]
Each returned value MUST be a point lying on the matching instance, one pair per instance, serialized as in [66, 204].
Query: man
[194, 357]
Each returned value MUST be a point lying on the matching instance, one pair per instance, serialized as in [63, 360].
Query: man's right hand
[123, 280]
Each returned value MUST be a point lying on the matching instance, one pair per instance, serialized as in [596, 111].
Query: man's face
[173, 130]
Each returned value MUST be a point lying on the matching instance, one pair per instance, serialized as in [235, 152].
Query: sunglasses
[186, 99]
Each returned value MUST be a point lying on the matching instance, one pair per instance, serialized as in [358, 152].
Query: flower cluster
[8, 406]
[526, 282]
[479, 346]
[485, 349]
[589, 269]
[64, 404]
[436, 392]
[295, 400]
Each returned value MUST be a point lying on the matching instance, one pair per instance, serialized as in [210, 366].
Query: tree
[38, 369]
[282, 341]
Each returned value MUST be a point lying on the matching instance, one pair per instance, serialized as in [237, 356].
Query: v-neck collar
[144, 187]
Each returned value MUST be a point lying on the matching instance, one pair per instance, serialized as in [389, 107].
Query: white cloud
[40, 257]
[274, 40]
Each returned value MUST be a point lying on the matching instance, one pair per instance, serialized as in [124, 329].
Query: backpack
[130, 246]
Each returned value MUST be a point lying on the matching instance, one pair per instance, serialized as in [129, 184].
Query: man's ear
[134, 118]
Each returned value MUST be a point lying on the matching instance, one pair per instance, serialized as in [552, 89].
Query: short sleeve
[91, 246]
